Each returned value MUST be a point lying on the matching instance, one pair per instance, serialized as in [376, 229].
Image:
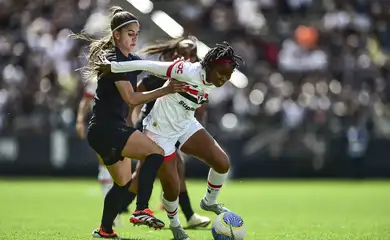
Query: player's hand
[103, 65]
[81, 131]
[181, 58]
[174, 86]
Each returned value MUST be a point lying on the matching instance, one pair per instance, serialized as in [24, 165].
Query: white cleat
[197, 221]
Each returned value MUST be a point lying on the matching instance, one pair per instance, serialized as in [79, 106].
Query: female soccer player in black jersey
[168, 51]
[108, 133]
[172, 119]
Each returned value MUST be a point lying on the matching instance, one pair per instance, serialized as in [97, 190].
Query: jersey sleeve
[116, 76]
[180, 70]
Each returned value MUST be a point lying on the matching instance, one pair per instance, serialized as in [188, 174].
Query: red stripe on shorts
[170, 157]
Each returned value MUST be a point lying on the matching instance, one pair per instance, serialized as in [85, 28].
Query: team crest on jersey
[202, 97]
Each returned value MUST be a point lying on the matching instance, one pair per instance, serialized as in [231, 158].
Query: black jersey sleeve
[111, 56]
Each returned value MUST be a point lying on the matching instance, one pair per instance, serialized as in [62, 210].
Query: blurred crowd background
[318, 70]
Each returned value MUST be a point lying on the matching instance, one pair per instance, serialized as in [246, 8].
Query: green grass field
[272, 210]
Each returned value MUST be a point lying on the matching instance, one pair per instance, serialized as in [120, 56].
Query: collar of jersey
[119, 53]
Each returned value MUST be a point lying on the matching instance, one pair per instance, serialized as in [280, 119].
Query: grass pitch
[272, 210]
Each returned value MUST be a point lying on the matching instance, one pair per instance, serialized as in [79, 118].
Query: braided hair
[221, 52]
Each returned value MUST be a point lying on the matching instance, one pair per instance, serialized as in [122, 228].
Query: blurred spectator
[311, 66]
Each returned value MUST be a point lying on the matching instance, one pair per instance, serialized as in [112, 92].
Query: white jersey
[90, 89]
[172, 114]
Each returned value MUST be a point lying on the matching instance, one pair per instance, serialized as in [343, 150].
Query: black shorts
[109, 141]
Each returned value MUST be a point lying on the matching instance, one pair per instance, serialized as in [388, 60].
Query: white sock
[172, 211]
[105, 179]
[214, 184]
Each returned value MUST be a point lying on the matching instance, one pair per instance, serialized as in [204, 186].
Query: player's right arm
[180, 70]
[131, 97]
[82, 112]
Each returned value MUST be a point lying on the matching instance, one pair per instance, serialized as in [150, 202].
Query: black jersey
[151, 82]
[110, 108]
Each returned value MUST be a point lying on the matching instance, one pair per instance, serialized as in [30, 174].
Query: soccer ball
[228, 226]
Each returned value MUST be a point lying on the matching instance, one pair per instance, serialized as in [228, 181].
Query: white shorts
[168, 143]
[104, 176]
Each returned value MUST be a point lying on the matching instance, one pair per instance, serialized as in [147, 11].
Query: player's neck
[123, 50]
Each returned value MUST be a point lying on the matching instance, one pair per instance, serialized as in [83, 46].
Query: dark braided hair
[221, 52]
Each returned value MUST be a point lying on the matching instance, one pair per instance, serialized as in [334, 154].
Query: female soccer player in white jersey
[172, 119]
[168, 51]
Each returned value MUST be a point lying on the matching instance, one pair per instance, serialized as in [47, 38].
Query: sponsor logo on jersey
[186, 107]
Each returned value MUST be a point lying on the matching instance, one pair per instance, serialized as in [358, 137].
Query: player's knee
[222, 164]
[121, 182]
[154, 149]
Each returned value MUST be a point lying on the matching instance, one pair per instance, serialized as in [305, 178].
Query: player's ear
[116, 35]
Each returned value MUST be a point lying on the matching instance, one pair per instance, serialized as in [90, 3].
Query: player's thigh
[139, 146]
[108, 143]
[181, 171]
[169, 179]
[120, 171]
[203, 146]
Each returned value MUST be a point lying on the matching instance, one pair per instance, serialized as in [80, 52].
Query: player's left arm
[134, 115]
[179, 69]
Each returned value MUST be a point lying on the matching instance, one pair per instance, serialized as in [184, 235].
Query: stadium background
[314, 102]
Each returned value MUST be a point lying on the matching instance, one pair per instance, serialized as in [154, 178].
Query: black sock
[129, 198]
[146, 177]
[185, 205]
[111, 206]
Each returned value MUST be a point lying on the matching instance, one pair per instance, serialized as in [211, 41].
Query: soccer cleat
[179, 233]
[215, 208]
[197, 221]
[99, 233]
[146, 217]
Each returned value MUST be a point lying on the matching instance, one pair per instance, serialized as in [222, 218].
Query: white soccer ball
[228, 226]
